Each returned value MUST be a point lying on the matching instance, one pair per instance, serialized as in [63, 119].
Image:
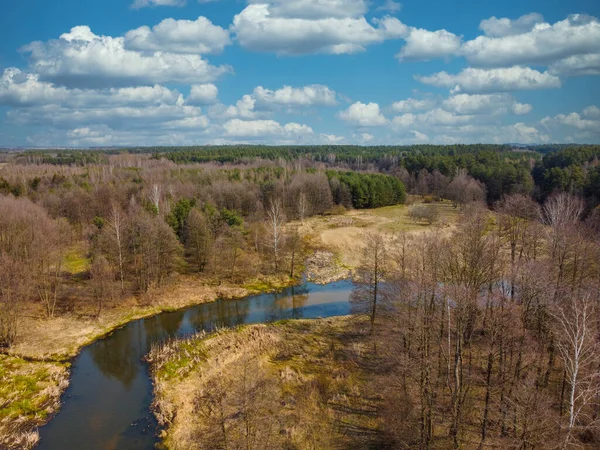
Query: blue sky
[189, 72]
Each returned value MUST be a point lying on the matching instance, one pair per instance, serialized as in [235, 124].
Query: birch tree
[576, 336]
[275, 235]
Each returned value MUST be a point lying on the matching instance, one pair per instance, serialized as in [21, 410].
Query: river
[107, 403]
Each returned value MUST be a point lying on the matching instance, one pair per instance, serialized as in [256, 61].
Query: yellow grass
[343, 235]
[29, 394]
[305, 388]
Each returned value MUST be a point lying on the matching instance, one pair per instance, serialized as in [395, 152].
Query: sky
[79, 73]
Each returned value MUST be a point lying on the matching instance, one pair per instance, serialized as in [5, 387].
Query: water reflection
[107, 403]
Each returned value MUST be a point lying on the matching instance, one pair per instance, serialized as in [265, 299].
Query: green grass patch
[76, 261]
[24, 388]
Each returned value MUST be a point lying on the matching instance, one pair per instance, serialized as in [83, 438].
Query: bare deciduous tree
[366, 294]
[275, 223]
[576, 321]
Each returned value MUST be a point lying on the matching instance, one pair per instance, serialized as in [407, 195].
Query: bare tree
[102, 279]
[302, 206]
[115, 242]
[576, 333]
[13, 292]
[198, 239]
[155, 197]
[275, 223]
[366, 293]
[516, 213]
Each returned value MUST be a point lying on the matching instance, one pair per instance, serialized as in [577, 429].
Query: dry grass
[343, 235]
[62, 337]
[304, 380]
[29, 394]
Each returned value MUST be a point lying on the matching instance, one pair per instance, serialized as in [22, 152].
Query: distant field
[344, 234]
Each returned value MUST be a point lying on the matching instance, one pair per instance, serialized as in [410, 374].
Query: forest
[485, 329]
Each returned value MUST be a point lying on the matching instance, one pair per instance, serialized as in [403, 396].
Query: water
[106, 405]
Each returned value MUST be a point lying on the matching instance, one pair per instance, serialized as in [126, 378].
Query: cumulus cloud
[314, 9]
[331, 138]
[592, 112]
[364, 137]
[82, 59]
[468, 118]
[412, 104]
[138, 4]
[25, 89]
[520, 109]
[575, 120]
[494, 27]
[424, 45]
[579, 34]
[243, 108]
[578, 65]
[325, 26]
[364, 115]
[260, 128]
[314, 94]
[390, 6]
[474, 80]
[202, 94]
[115, 117]
[179, 36]
[465, 104]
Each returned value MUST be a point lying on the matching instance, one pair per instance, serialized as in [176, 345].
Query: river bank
[35, 372]
[291, 384]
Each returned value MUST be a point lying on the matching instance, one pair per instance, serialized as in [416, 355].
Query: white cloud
[494, 27]
[244, 108]
[364, 115]
[260, 128]
[82, 59]
[314, 9]
[118, 117]
[577, 35]
[573, 120]
[290, 96]
[465, 104]
[329, 26]
[420, 137]
[22, 90]
[202, 94]
[412, 104]
[520, 109]
[424, 45]
[188, 122]
[179, 36]
[331, 138]
[578, 65]
[390, 6]
[592, 112]
[137, 4]
[365, 137]
[473, 80]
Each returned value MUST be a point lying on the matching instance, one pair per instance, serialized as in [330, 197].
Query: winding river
[107, 404]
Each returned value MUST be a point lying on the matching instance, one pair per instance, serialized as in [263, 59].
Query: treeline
[501, 168]
[573, 169]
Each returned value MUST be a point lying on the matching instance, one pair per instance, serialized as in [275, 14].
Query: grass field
[29, 394]
[343, 235]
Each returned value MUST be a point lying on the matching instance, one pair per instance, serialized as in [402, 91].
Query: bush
[424, 213]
